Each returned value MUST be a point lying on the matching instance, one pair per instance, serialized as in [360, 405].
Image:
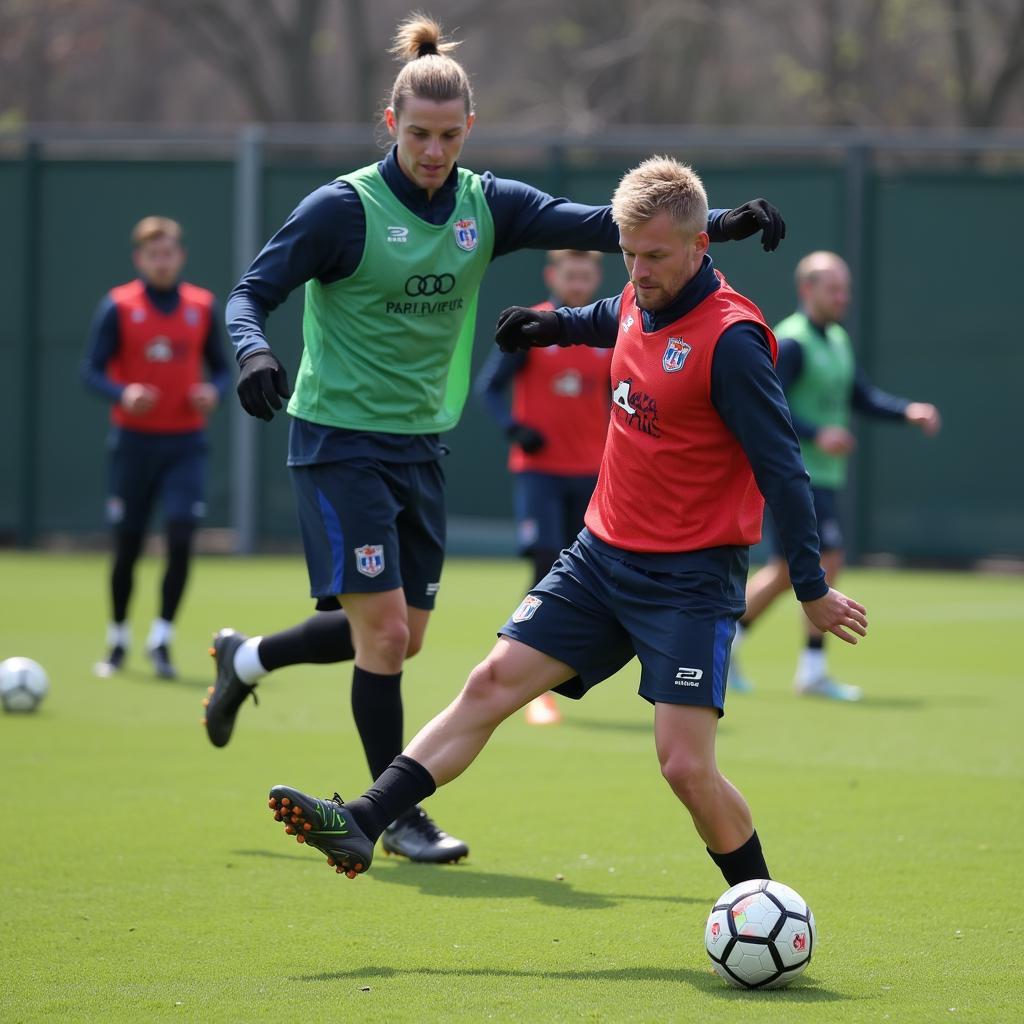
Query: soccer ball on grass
[760, 934]
[23, 684]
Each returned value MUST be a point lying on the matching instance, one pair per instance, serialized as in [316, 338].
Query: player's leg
[565, 622]
[440, 752]
[767, 584]
[812, 676]
[540, 510]
[131, 493]
[685, 741]
[183, 492]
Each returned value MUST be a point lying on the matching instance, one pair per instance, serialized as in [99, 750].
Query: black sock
[743, 864]
[402, 785]
[179, 551]
[377, 709]
[127, 545]
[321, 640]
[815, 643]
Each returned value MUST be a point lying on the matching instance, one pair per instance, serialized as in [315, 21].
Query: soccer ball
[23, 684]
[760, 934]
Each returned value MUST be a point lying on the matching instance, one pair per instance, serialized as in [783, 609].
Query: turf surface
[144, 879]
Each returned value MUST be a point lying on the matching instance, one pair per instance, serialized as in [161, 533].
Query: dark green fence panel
[945, 326]
[88, 209]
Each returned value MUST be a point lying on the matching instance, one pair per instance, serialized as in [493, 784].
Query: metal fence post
[855, 496]
[248, 229]
[29, 441]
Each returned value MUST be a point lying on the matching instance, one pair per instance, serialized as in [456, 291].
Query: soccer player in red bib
[148, 345]
[556, 424]
[699, 431]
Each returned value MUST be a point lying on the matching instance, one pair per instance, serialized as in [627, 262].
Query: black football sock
[321, 640]
[743, 864]
[127, 545]
[402, 785]
[542, 559]
[377, 709]
[179, 551]
[816, 643]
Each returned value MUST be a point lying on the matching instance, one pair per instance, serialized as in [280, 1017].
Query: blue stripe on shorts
[336, 539]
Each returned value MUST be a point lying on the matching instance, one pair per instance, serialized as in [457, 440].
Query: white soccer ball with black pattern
[760, 934]
[23, 684]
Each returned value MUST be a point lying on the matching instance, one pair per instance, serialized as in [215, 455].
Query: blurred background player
[148, 343]
[818, 372]
[391, 257]
[557, 426]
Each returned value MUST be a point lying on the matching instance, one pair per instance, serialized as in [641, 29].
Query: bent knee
[414, 646]
[689, 777]
[389, 638]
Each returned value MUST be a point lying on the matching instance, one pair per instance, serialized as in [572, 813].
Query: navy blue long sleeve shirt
[865, 398]
[324, 237]
[105, 339]
[746, 393]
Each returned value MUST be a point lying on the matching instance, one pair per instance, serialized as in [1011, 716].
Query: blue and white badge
[527, 609]
[466, 235]
[370, 559]
[675, 355]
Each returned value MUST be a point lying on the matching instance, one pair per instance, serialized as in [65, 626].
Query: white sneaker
[829, 688]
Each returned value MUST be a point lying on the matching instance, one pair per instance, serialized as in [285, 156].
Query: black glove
[748, 219]
[527, 438]
[262, 383]
[522, 328]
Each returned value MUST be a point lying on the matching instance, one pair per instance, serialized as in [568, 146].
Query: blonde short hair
[155, 227]
[661, 183]
[815, 263]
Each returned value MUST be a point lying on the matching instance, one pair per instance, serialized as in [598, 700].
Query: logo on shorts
[689, 676]
[675, 355]
[466, 235]
[527, 609]
[370, 559]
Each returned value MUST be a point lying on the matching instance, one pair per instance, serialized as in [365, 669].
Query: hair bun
[426, 48]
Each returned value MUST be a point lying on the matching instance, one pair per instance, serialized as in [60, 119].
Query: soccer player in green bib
[391, 257]
[823, 385]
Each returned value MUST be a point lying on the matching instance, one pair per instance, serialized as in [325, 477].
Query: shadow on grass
[803, 991]
[609, 725]
[272, 854]
[468, 883]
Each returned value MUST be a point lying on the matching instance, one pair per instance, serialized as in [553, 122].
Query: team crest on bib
[370, 559]
[675, 355]
[466, 235]
[192, 316]
[527, 609]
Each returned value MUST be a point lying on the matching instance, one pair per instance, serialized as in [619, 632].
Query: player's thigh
[685, 733]
[540, 519]
[567, 617]
[348, 520]
[183, 481]
[514, 673]
[133, 484]
[830, 527]
[422, 524]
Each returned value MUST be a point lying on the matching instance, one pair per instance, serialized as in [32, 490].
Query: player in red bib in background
[699, 431]
[147, 348]
[557, 425]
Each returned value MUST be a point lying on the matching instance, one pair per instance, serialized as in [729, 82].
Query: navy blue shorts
[550, 509]
[600, 606]
[826, 511]
[148, 467]
[370, 526]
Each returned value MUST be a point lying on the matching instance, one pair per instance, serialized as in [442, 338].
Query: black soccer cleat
[111, 664]
[228, 691]
[325, 825]
[161, 658]
[415, 835]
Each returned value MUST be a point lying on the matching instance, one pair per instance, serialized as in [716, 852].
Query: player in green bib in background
[391, 258]
[818, 371]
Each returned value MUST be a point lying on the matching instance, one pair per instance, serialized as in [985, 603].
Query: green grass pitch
[144, 879]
